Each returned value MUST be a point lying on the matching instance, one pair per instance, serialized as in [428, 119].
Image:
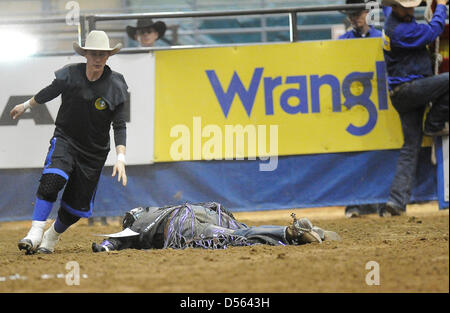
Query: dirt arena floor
[412, 252]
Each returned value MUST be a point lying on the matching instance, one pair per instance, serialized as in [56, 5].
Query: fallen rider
[204, 225]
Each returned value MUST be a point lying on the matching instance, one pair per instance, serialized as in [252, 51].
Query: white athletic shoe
[34, 237]
[49, 241]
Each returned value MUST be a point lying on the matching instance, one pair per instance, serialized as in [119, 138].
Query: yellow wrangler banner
[279, 99]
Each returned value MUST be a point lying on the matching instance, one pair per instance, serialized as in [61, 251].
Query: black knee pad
[50, 186]
[67, 218]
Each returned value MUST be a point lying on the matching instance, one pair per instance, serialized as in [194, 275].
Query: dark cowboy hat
[403, 3]
[352, 11]
[159, 27]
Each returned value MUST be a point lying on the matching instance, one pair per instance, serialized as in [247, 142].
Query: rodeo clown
[204, 225]
[93, 97]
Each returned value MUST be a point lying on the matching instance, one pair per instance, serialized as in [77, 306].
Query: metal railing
[91, 20]
[40, 21]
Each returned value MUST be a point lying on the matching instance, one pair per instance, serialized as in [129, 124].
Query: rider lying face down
[204, 225]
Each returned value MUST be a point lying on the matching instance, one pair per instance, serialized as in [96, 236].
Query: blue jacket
[373, 32]
[405, 46]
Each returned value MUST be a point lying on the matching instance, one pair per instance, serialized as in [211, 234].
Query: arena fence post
[82, 30]
[293, 27]
[91, 23]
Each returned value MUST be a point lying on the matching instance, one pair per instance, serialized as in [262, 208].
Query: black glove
[107, 245]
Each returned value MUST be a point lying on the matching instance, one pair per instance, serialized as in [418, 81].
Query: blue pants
[410, 102]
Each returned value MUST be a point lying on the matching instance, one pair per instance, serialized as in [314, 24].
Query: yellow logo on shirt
[100, 104]
[386, 42]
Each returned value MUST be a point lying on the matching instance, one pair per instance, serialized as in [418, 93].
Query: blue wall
[298, 182]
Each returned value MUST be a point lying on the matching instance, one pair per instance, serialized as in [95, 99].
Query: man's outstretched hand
[119, 168]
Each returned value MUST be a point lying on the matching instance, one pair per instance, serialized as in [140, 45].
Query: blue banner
[298, 182]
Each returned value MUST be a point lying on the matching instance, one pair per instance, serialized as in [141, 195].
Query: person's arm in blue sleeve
[414, 35]
[387, 10]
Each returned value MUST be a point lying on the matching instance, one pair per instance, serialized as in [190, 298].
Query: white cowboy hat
[96, 40]
[403, 3]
